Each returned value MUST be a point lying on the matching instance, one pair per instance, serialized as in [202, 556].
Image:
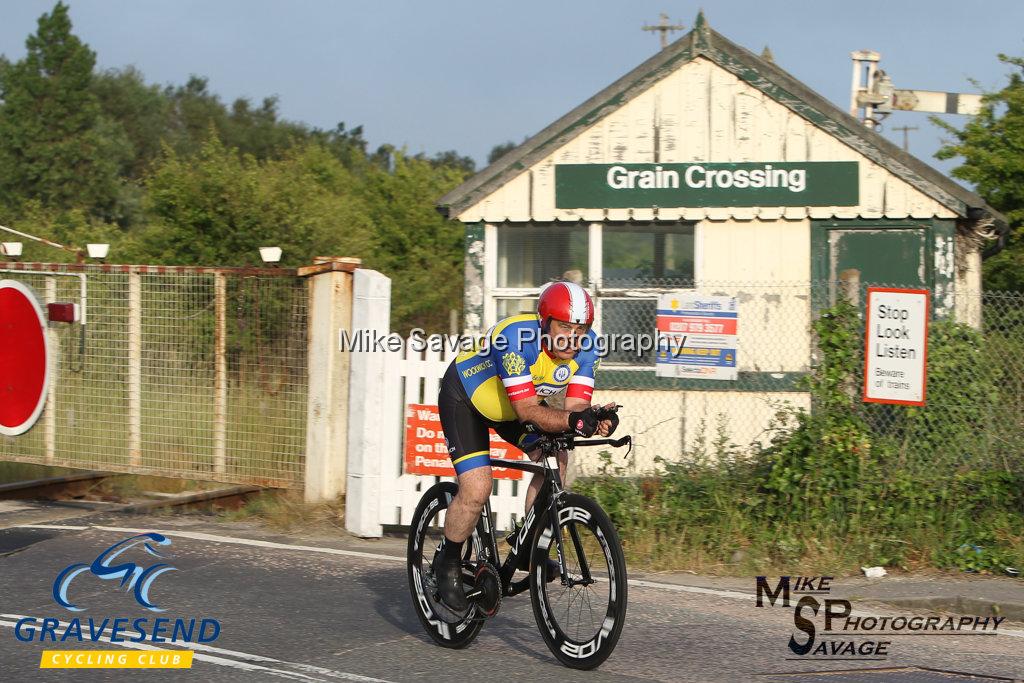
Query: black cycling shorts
[465, 429]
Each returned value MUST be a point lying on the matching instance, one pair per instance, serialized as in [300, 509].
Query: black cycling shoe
[554, 571]
[448, 575]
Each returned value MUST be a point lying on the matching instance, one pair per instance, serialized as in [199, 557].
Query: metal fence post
[330, 310]
[371, 311]
[849, 284]
[135, 369]
[220, 374]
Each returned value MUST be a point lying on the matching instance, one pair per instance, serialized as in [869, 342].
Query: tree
[992, 147]
[498, 151]
[142, 110]
[418, 249]
[55, 145]
[451, 159]
[219, 207]
[347, 145]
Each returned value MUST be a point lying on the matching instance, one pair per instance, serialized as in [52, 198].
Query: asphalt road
[341, 611]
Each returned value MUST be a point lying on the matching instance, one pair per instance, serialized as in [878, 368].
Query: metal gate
[173, 371]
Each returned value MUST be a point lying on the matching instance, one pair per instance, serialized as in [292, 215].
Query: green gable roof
[759, 73]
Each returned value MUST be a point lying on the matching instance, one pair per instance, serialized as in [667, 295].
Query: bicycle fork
[554, 512]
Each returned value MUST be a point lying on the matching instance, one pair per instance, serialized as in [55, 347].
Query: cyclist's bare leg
[464, 510]
[538, 479]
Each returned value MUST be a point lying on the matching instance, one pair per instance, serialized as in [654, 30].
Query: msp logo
[561, 373]
[137, 578]
[849, 637]
[513, 363]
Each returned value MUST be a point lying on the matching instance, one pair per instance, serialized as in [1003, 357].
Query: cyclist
[525, 359]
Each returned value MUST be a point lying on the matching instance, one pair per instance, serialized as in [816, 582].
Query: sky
[468, 75]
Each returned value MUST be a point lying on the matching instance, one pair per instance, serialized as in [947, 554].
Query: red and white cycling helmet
[565, 301]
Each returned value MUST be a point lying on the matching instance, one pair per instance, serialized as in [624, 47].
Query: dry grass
[286, 510]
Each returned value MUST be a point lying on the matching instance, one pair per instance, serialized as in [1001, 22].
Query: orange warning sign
[426, 452]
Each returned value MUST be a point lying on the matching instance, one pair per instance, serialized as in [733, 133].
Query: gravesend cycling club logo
[561, 373]
[847, 636]
[127, 564]
[138, 579]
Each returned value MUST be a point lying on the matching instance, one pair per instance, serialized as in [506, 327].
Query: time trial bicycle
[580, 611]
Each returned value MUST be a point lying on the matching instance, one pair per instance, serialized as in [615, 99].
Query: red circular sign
[24, 375]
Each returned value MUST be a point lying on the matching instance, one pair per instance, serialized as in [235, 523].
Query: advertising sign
[427, 453]
[896, 346]
[697, 336]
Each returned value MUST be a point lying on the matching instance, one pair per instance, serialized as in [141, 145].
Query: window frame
[594, 284]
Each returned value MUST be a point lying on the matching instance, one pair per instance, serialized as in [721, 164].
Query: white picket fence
[381, 385]
[414, 379]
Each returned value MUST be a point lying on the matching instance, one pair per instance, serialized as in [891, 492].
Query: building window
[533, 255]
[634, 263]
[508, 307]
[647, 255]
[638, 256]
[620, 317]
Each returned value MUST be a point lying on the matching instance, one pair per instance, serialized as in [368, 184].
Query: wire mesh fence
[202, 373]
[184, 372]
[974, 415]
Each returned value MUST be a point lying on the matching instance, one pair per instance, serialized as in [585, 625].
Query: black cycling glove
[583, 422]
[612, 417]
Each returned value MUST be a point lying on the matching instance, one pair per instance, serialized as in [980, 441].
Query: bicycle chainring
[487, 580]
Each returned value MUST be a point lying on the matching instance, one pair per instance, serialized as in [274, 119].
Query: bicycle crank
[486, 590]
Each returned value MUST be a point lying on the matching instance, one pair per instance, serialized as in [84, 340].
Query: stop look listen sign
[24, 366]
[896, 346]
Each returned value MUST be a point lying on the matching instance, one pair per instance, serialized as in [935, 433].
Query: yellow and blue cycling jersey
[513, 365]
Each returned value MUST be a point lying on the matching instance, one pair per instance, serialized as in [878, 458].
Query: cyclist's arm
[581, 387]
[529, 409]
[573, 404]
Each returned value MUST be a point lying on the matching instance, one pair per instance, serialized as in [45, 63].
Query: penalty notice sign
[896, 346]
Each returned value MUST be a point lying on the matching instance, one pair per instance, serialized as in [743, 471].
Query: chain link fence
[194, 372]
[974, 415]
[185, 372]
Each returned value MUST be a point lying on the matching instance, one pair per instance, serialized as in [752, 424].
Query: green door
[889, 257]
[911, 253]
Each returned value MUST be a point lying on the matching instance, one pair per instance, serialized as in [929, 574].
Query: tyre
[447, 628]
[580, 623]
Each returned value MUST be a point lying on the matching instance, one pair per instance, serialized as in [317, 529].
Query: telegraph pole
[905, 129]
[664, 28]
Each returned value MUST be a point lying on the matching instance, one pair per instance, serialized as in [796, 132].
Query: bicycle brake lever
[603, 413]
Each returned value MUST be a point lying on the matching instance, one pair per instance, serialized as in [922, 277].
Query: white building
[709, 168]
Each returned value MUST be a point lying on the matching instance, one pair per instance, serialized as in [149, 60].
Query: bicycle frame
[548, 498]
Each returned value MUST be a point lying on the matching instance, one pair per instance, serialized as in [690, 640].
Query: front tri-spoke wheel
[444, 626]
[580, 615]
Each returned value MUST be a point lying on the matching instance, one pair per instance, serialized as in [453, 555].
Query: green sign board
[634, 186]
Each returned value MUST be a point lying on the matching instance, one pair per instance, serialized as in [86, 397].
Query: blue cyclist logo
[138, 578]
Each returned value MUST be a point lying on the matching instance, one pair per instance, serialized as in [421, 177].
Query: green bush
[845, 484]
